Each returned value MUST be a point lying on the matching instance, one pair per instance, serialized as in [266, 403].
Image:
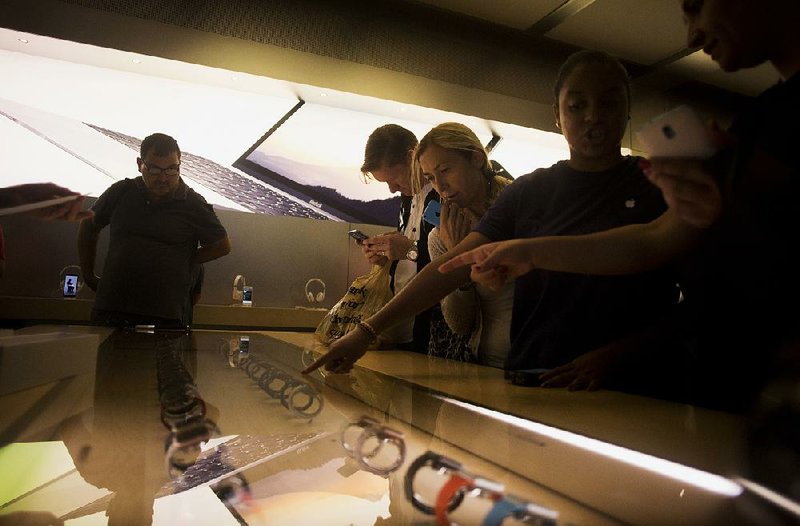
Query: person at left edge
[23, 194]
[160, 231]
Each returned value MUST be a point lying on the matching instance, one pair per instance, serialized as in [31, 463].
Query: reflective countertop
[214, 427]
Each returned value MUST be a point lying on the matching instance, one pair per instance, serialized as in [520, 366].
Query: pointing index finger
[461, 260]
[319, 362]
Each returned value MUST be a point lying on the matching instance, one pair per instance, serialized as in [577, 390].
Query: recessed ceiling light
[23, 40]
[323, 94]
[136, 61]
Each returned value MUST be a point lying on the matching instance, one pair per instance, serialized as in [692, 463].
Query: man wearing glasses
[161, 231]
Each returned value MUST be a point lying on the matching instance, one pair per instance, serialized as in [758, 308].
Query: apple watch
[413, 252]
[353, 430]
[436, 462]
[303, 400]
[369, 444]
[461, 484]
[378, 439]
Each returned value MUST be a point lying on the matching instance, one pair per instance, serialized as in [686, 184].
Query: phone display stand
[247, 296]
[70, 282]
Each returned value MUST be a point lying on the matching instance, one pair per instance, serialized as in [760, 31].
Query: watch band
[456, 485]
[312, 406]
[503, 508]
[460, 484]
[437, 462]
[511, 507]
[384, 436]
[362, 423]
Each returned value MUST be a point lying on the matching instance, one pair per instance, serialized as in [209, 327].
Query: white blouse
[479, 312]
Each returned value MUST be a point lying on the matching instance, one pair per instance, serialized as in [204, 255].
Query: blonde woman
[453, 161]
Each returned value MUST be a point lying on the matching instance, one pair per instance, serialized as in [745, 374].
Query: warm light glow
[320, 145]
[660, 466]
[208, 119]
[775, 498]
[523, 150]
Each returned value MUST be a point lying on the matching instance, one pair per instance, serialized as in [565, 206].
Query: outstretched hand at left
[25, 194]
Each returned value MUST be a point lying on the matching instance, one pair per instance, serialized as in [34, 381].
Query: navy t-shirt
[559, 316]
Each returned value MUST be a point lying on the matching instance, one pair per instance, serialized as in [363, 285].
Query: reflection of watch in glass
[412, 253]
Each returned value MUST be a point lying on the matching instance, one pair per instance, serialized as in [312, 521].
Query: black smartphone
[70, 285]
[527, 377]
[358, 235]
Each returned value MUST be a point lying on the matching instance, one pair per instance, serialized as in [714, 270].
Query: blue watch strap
[502, 508]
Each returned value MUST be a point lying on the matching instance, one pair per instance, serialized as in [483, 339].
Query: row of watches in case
[461, 484]
[300, 398]
[381, 450]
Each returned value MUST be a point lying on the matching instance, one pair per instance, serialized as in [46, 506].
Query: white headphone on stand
[319, 297]
[238, 282]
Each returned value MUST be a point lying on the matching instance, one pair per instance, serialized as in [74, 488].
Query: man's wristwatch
[412, 253]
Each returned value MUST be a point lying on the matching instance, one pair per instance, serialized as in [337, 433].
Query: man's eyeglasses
[169, 170]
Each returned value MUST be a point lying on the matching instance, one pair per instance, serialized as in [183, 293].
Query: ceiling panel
[641, 31]
[699, 66]
[518, 14]
[647, 32]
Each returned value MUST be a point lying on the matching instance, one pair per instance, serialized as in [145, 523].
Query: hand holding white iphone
[676, 134]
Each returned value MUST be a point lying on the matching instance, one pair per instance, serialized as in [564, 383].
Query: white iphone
[678, 133]
[247, 296]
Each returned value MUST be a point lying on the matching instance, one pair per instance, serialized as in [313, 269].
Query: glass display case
[213, 427]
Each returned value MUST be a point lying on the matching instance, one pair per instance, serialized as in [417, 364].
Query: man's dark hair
[160, 144]
[590, 56]
[387, 146]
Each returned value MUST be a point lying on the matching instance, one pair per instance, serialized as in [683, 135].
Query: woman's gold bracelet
[366, 327]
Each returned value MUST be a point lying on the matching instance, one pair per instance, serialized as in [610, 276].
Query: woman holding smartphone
[451, 158]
